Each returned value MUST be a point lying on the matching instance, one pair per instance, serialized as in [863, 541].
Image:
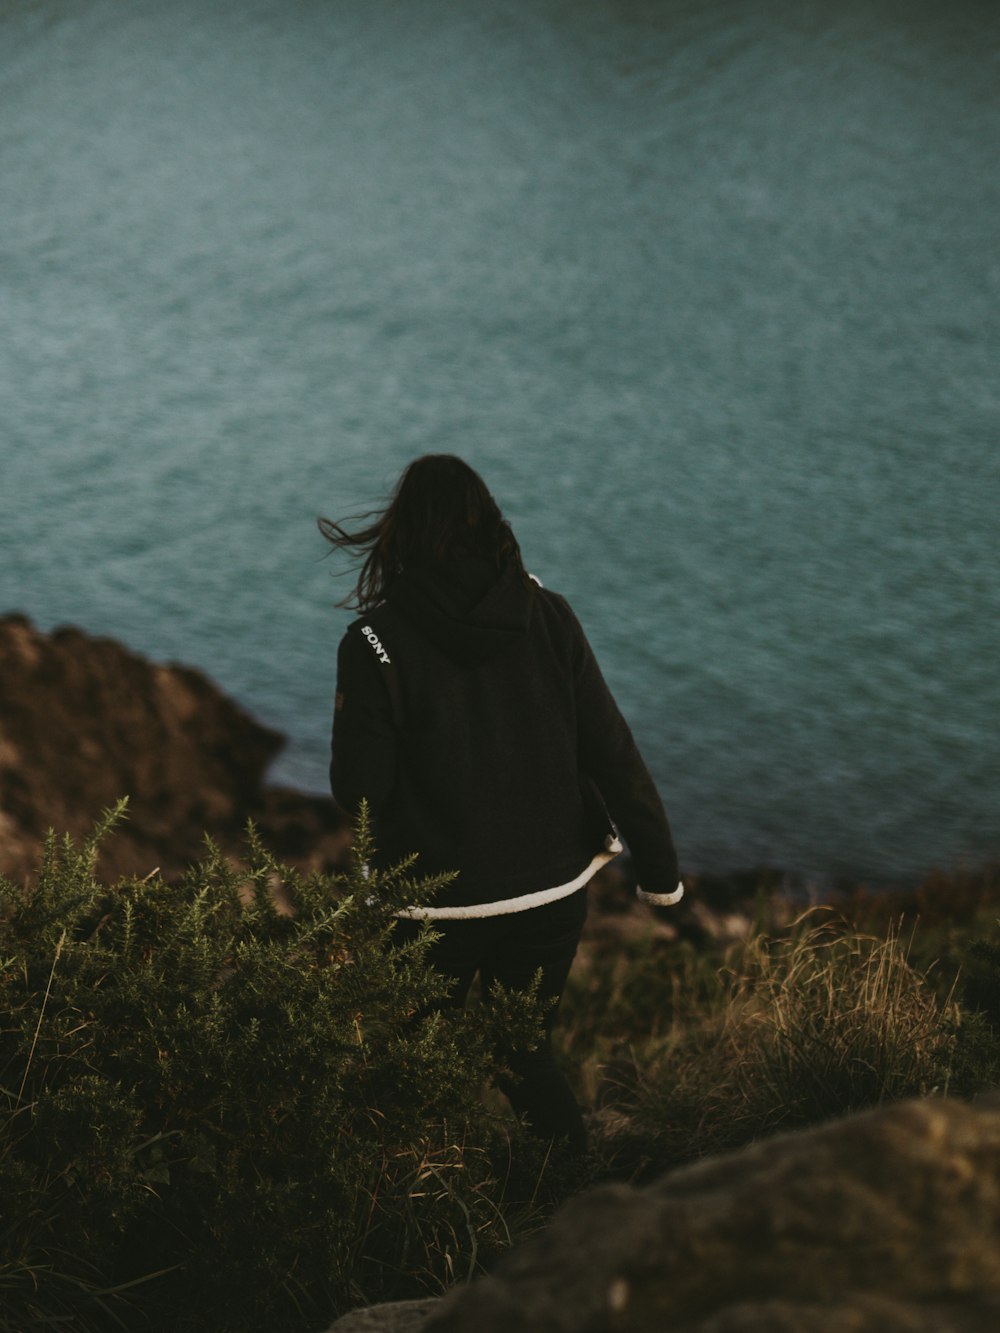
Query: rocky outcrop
[84, 721]
[881, 1223]
[390, 1317]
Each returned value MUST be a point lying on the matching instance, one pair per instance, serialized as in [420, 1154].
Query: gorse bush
[216, 1113]
[221, 1112]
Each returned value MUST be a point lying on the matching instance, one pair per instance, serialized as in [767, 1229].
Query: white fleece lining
[507, 906]
[661, 899]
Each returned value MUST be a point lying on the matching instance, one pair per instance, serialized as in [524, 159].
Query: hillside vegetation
[224, 1105]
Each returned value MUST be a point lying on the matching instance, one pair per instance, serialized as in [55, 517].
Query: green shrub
[235, 1115]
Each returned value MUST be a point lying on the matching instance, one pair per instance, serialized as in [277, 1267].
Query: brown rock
[881, 1222]
[389, 1317]
[84, 721]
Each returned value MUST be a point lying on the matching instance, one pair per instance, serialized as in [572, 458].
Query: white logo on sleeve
[376, 643]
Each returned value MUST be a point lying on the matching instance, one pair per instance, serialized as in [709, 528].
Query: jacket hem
[506, 906]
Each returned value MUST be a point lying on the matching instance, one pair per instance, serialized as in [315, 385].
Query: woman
[472, 715]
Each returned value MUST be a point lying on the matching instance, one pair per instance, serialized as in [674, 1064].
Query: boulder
[84, 721]
[884, 1221]
[389, 1317]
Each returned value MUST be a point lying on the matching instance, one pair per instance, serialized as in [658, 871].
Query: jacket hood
[466, 608]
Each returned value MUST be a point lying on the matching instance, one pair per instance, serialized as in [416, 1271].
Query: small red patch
[338, 703]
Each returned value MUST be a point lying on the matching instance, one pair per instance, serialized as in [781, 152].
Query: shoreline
[85, 720]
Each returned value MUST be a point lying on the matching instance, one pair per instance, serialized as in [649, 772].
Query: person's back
[472, 716]
[484, 777]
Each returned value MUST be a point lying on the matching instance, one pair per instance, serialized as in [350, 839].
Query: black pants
[511, 949]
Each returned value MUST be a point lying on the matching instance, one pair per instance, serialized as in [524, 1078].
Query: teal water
[709, 292]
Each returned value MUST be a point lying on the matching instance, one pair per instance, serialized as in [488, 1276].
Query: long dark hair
[439, 510]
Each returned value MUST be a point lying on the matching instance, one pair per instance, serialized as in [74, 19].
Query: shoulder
[367, 638]
[378, 620]
[544, 596]
[555, 607]
[562, 628]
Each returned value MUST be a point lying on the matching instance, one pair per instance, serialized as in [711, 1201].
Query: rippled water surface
[709, 292]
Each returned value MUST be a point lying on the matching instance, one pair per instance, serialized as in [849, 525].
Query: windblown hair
[440, 510]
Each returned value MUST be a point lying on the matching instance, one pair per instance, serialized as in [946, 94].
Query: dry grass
[797, 1029]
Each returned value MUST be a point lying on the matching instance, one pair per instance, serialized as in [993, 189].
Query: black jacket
[505, 730]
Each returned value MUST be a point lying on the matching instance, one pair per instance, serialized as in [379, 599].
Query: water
[707, 291]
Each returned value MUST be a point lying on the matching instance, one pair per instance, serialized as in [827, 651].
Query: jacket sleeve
[363, 749]
[609, 755]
